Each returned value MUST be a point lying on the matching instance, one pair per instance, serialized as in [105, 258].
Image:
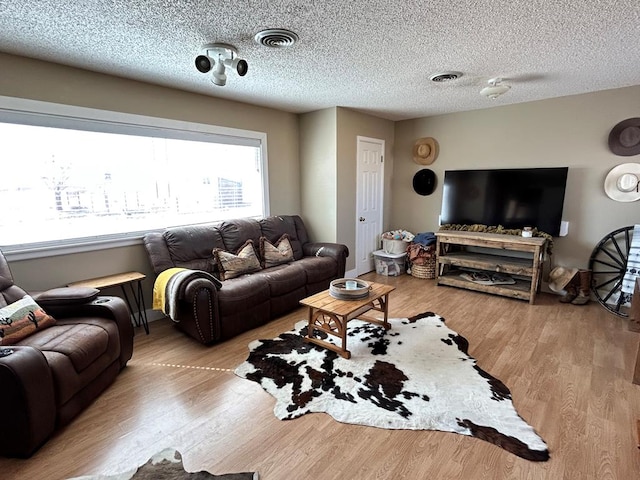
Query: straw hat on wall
[425, 151]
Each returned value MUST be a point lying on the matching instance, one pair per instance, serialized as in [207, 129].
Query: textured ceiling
[374, 56]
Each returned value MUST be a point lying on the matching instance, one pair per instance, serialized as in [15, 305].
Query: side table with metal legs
[122, 280]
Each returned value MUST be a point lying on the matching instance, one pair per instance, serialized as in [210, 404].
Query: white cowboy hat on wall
[622, 183]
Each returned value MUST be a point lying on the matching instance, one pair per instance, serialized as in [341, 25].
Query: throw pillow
[244, 261]
[22, 318]
[273, 255]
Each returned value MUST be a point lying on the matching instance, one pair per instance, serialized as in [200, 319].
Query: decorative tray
[349, 289]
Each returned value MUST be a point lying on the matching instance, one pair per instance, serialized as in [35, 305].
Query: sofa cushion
[22, 318]
[274, 227]
[242, 294]
[191, 246]
[77, 351]
[319, 269]
[236, 232]
[276, 254]
[81, 343]
[283, 279]
[233, 265]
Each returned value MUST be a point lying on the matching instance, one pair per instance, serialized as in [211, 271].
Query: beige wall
[312, 158]
[569, 131]
[318, 177]
[352, 124]
[25, 78]
[328, 157]
[36, 80]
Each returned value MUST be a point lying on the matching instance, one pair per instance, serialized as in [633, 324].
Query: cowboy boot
[571, 294]
[584, 293]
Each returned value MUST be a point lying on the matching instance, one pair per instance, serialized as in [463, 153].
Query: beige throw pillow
[273, 255]
[244, 261]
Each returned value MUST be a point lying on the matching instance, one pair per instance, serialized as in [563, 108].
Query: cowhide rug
[167, 465]
[415, 376]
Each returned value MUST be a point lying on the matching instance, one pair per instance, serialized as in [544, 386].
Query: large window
[71, 181]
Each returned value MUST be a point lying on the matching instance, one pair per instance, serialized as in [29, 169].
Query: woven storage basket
[428, 270]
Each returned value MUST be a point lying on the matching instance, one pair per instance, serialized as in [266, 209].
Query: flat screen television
[513, 198]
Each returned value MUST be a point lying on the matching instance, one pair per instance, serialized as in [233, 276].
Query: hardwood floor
[569, 369]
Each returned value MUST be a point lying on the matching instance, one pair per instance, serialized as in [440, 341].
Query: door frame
[382, 143]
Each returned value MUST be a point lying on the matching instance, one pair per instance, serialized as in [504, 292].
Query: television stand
[520, 258]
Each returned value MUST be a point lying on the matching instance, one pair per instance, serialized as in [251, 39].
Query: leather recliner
[49, 377]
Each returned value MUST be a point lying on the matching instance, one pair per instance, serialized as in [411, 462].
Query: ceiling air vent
[276, 38]
[445, 77]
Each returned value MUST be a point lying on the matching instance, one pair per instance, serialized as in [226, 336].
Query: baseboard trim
[350, 274]
[153, 315]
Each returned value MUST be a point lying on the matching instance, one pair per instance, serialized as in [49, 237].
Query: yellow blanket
[160, 287]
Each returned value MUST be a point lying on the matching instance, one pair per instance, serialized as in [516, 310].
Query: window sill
[28, 252]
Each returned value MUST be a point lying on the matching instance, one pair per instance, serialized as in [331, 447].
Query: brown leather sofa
[212, 311]
[49, 377]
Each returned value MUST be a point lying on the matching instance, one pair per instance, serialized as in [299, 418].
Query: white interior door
[369, 193]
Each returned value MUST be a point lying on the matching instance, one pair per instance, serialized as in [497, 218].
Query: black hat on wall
[624, 138]
[424, 182]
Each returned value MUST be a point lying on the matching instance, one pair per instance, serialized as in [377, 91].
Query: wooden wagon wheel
[608, 263]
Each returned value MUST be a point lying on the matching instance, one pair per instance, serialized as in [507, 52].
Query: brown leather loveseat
[76, 343]
[211, 311]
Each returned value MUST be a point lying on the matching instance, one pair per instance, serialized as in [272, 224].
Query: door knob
[362, 219]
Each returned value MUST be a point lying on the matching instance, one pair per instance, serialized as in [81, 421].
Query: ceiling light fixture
[495, 88]
[218, 57]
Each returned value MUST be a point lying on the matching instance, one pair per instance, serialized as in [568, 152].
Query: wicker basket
[427, 271]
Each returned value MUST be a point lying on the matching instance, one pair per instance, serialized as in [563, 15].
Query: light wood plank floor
[569, 369]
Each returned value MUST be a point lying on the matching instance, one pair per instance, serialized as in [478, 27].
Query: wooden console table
[122, 280]
[519, 257]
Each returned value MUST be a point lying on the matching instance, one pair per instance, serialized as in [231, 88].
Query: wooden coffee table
[331, 315]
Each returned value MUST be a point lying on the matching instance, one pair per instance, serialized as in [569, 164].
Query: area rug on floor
[415, 376]
[167, 465]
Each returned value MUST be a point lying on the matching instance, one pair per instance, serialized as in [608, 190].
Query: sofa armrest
[197, 312]
[192, 287]
[65, 296]
[157, 251]
[183, 284]
[113, 308]
[337, 251]
[325, 249]
[27, 400]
